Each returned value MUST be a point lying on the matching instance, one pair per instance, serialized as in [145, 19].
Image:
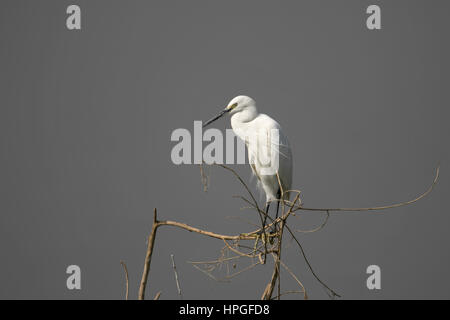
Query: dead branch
[315, 229]
[267, 295]
[259, 235]
[286, 293]
[249, 236]
[305, 296]
[204, 178]
[148, 257]
[395, 205]
[151, 243]
[126, 278]
[333, 293]
[176, 275]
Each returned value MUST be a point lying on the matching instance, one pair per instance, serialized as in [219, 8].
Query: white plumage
[265, 141]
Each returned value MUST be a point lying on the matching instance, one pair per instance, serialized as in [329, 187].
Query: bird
[264, 139]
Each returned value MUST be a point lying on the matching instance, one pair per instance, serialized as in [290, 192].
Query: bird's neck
[241, 120]
[244, 116]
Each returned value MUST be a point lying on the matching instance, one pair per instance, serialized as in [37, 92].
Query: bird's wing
[279, 143]
[276, 143]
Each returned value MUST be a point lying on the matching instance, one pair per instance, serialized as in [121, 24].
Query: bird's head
[236, 105]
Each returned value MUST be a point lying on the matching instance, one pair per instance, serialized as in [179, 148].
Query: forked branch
[280, 224]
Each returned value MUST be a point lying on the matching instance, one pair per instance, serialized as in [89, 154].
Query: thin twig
[246, 187]
[285, 293]
[214, 261]
[305, 296]
[319, 227]
[204, 177]
[209, 274]
[176, 276]
[126, 278]
[243, 270]
[396, 205]
[309, 264]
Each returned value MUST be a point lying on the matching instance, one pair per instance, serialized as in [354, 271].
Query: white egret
[264, 140]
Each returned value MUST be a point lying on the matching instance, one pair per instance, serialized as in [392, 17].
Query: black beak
[221, 114]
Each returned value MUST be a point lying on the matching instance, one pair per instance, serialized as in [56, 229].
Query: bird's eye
[232, 106]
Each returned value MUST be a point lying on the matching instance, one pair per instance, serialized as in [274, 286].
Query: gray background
[86, 118]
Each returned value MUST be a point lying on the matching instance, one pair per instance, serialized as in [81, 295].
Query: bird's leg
[267, 214]
[278, 207]
[265, 219]
[274, 227]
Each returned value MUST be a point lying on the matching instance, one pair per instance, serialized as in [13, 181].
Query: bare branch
[258, 235]
[396, 205]
[287, 292]
[148, 256]
[184, 226]
[151, 242]
[246, 187]
[176, 276]
[204, 177]
[267, 294]
[318, 228]
[209, 274]
[333, 293]
[305, 296]
[126, 278]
